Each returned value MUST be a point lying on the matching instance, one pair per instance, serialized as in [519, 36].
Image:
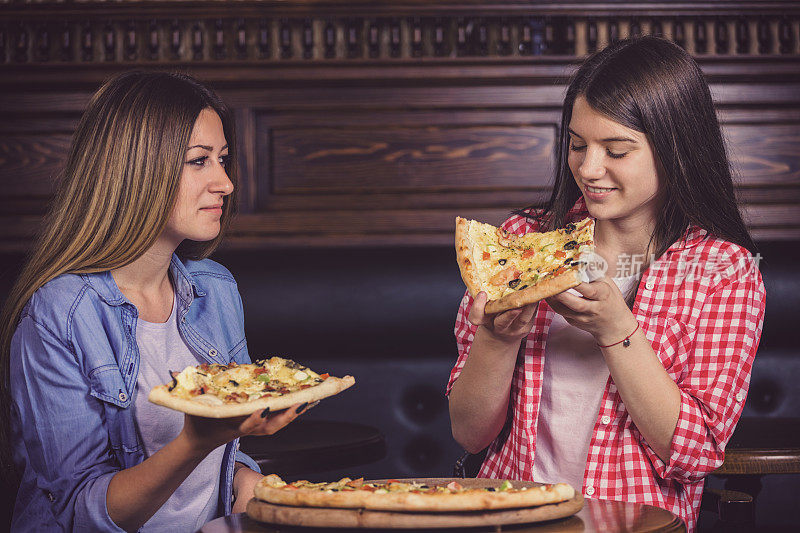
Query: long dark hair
[653, 86]
[115, 193]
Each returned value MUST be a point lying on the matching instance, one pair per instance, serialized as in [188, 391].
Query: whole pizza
[516, 270]
[400, 495]
[224, 391]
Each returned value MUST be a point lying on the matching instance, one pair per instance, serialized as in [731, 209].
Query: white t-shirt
[194, 502]
[575, 376]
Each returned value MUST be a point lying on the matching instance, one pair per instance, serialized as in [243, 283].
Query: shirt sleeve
[242, 356]
[240, 353]
[465, 334]
[246, 460]
[64, 442]
[715, 375]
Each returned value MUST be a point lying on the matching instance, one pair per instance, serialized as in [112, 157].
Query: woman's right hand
[207, 434]
[509, 326]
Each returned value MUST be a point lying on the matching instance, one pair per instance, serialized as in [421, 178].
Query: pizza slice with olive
[223, 391]
[516, 270]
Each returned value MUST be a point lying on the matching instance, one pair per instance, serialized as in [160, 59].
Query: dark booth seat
[383, 315]
[386, 316]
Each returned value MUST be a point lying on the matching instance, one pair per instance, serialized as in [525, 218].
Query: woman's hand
[602, 311]
[208, 433]
[509, 326]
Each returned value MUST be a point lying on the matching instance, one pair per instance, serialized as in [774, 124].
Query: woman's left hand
[602, 311]
[207, 433]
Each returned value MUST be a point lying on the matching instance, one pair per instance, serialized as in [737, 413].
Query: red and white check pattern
[705, 328]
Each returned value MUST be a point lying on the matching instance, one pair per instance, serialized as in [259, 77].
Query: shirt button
[649, 284]
[212, 352]
[739, 396]
[606, 419]
[123, 397]
[51, 497]
[589, 491]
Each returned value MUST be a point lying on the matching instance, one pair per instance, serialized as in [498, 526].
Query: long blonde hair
[115, 193]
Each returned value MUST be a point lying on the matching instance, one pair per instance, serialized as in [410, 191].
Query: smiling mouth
[600, 189]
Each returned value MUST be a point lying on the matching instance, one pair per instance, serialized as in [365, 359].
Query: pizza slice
[516, 270]
[223, 391]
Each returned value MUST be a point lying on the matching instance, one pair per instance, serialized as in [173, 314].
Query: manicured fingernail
[300, 409]
[265, 412]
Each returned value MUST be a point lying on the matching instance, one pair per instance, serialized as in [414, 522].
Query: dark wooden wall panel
[376, 123]
[427, 158]
[765, 154]
[31, 162]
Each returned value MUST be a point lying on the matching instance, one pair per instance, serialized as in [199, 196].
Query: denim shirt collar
[186, 285]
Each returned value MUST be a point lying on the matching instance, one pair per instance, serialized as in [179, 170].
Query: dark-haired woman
[629, 387]
[117, 292]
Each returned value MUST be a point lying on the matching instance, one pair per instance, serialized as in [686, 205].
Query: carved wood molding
[91, 32]
[375, 123]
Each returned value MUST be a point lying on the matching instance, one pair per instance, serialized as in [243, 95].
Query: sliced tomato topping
[324, 376]
[235, 397]
[559, 254]
[258, 371]
[486, 256]
[504, 276]
[528, 253]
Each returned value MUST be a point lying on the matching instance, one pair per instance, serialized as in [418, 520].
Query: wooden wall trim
[360, 140]
[322, 31]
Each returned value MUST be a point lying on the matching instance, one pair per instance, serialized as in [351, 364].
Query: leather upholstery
[386, 316]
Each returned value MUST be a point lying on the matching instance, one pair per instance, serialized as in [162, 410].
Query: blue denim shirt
[74, 363]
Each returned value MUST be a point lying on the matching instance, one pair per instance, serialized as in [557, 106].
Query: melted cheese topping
[233, 383]
[392, 486]
[506, 263]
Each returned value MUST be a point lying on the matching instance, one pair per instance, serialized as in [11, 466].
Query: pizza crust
[471, 500]
[543, 289]
[332, 385]
[464, 255]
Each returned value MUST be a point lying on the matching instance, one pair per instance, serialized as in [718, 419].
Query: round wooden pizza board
[364, 518]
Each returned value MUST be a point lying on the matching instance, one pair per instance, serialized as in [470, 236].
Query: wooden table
[307, 447]
[758, 447]
[598, 516]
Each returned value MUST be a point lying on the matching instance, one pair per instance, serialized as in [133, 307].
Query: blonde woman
[116, 292]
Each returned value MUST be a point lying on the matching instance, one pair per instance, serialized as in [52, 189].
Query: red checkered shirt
[701, 306]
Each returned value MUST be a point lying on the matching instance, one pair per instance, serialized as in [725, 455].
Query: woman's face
[204, 183]
[614, 166]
